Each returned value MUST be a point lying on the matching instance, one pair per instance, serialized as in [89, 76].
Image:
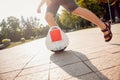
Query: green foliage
[91, 5]
[31, 26]
[44, 31]
[6, 42]
[13, 23]
[4, 29]
[68, 20]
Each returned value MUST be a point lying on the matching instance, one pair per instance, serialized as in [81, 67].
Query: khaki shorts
[53, 7]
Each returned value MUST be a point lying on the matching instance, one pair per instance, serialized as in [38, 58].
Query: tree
[57, 19]
[13, 23]
[30, 26]
[13, 26]
[68, 20]
[4, 30]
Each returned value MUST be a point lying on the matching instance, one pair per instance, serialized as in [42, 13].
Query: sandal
[108, 36]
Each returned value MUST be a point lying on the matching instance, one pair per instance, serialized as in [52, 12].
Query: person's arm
[40, 5]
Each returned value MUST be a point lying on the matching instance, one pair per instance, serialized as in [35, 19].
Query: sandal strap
[108, 27]
[108, 39]
[108, 35]
[104, 30]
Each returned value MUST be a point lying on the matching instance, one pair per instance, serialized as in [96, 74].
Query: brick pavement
[87, 57]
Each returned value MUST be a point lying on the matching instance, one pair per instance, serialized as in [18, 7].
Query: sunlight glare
[25, 8]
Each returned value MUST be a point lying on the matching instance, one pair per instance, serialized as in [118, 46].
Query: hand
[38, 10]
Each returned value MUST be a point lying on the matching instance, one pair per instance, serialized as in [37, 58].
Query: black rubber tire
[58, 51]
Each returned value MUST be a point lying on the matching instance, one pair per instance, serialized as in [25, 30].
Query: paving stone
[90, 56]
[83, 41]
[67, 71]
[116, 37]
[58, 74]
[10, 63]
[104, 62]
[67, 57]
[9, 76]
[111, 73]
[91, 43]
[34, 76]
[34, 69]
[40, 59]
[89, 76]
[98, 48]
[114, 50]
[14, 60]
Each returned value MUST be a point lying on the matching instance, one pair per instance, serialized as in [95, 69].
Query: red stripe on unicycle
[55, 35]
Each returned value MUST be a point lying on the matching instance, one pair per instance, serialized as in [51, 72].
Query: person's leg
[52, 8]
[50, 19]
[71, 6]
[88, 15]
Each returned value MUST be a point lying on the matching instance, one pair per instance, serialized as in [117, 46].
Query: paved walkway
[87, 57]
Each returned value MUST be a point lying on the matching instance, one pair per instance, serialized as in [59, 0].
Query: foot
[107, 32]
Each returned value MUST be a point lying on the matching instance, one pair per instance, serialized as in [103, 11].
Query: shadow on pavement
[79, 69]
[116, 44]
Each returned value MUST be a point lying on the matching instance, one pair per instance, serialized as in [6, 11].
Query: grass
[18, 43]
